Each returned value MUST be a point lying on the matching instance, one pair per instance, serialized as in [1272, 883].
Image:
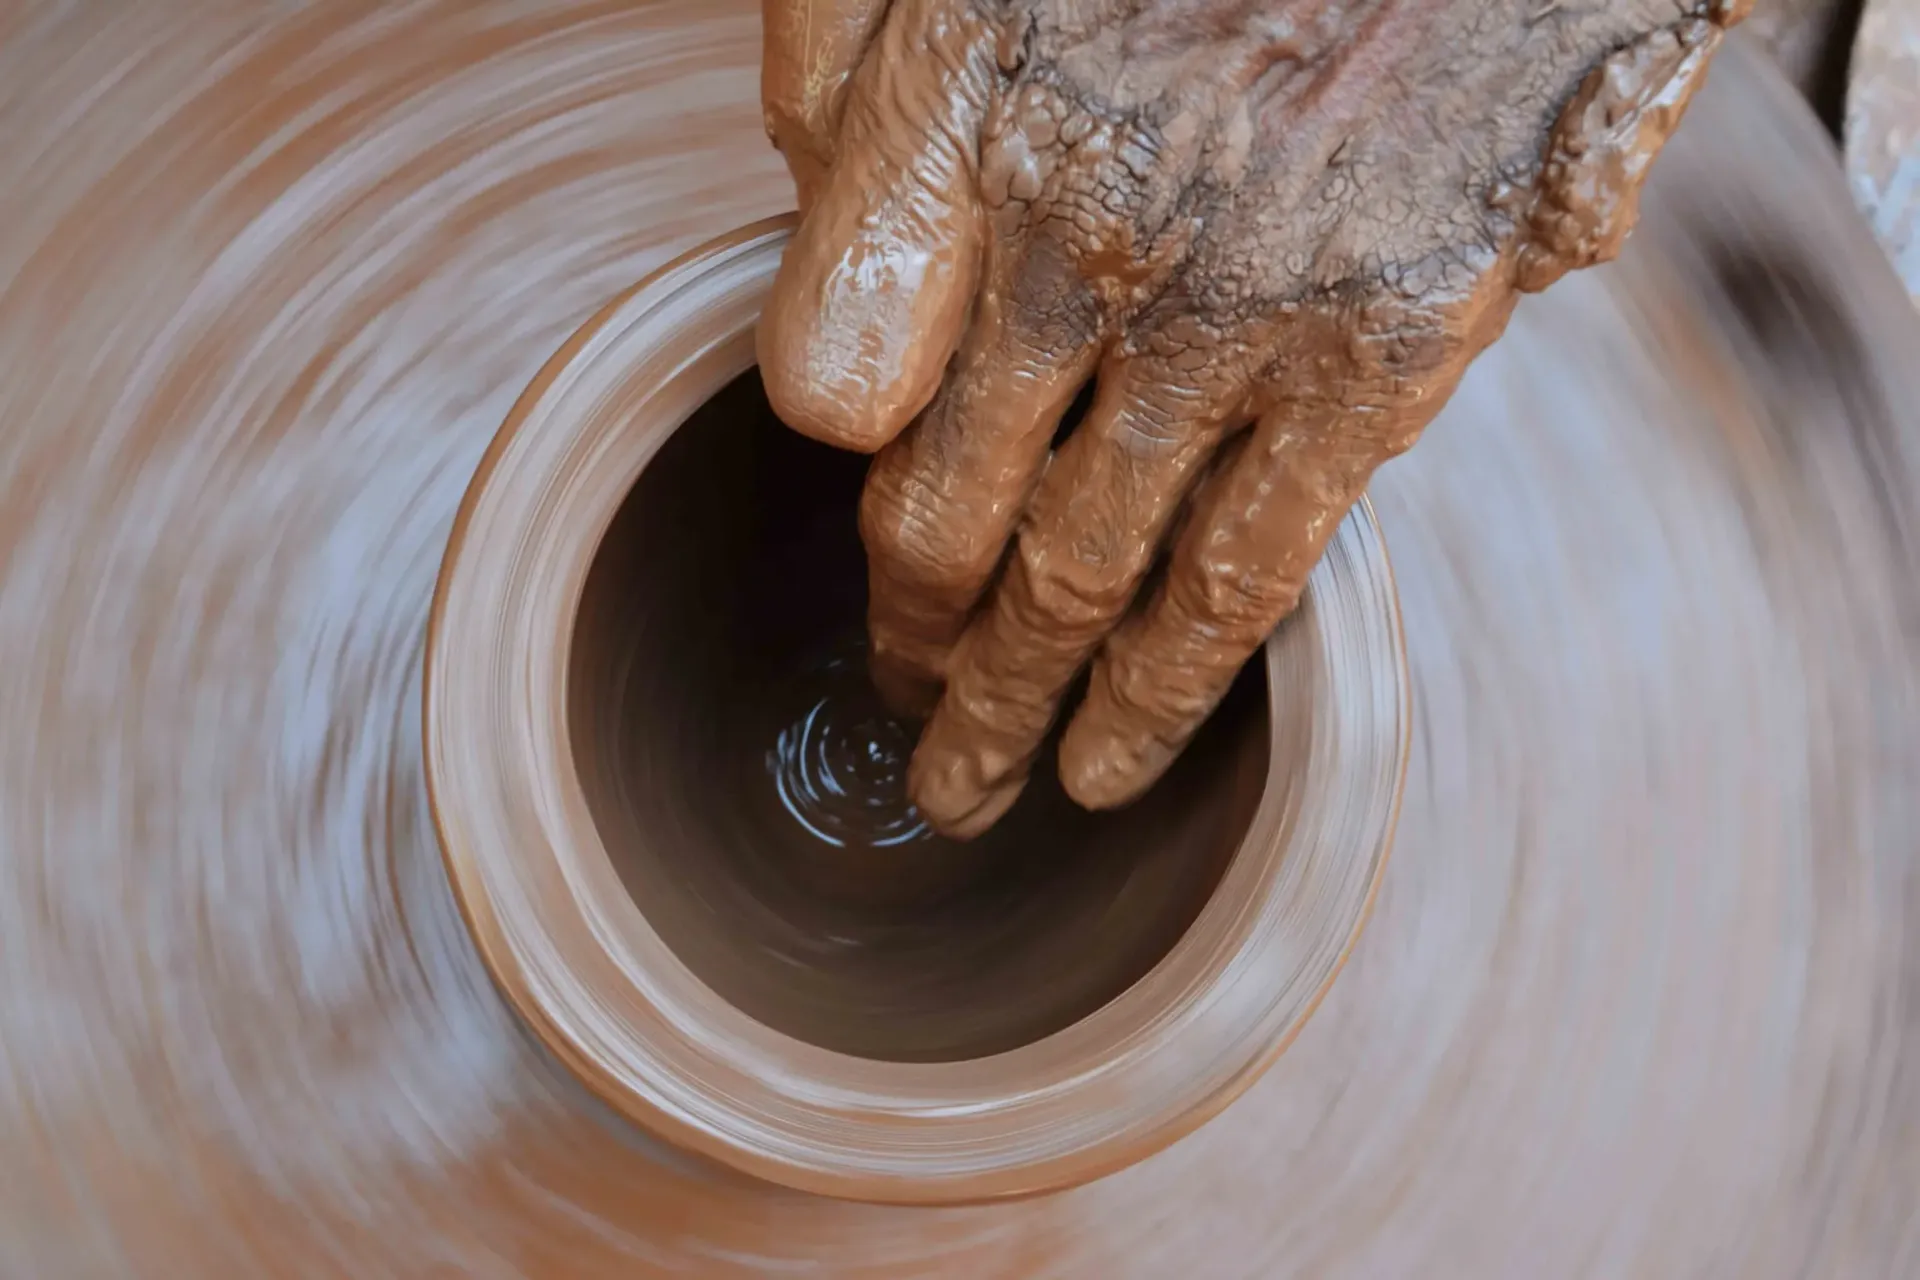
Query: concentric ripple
[839, 766]
[1641, 995]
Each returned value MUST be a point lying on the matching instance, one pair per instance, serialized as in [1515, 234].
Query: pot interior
[750, 787]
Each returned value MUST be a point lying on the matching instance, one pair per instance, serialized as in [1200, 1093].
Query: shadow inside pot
[750, 788]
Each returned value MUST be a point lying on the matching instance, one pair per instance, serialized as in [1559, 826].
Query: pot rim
[574, 956]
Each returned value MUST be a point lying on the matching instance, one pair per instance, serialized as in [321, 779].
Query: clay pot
[673, 815]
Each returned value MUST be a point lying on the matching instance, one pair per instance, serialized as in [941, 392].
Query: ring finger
[1257, 530]
[1090, 534]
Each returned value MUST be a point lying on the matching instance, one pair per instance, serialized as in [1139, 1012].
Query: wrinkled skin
[1275, 231]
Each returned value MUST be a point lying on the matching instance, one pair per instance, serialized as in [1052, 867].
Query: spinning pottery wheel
[1638, 995]
[1883, 130]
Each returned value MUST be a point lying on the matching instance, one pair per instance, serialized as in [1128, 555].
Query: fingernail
[1103, 769]
[962, 792]
[1091, 771]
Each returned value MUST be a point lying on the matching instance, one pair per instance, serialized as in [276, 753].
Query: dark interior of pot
[750, 787]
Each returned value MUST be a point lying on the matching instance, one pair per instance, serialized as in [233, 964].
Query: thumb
[810, 49]
[877, 285]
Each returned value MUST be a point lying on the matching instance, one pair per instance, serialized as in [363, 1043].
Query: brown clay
[756, 950]
[1275, 233]
[1883, 130]
[1638, 995]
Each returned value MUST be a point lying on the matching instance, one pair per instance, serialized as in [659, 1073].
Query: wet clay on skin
[1275, 235]
[673, 812]
[1637, 996]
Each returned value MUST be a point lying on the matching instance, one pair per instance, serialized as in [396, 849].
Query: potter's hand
[1276, 230]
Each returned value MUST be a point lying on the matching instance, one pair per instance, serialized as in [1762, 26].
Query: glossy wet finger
[1092, 531]
[942, 500]
[1240, 566]
[875, 289]
[1257, 529]
[810, 49]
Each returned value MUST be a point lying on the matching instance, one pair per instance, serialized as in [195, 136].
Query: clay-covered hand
[1275, 231]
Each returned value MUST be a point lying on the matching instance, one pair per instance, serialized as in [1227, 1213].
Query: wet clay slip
[644, 598]
[1265, 240]
[1639, 993]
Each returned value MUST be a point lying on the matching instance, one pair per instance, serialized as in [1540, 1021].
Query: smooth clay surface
[676, 816]
[1640, 993]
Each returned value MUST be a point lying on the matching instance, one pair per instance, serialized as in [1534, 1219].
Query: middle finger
[1090, 534]
[941, 500]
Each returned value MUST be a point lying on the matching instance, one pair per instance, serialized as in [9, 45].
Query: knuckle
[1152, 694]
[1019, 158]
[921, 540]
[1068, 593]
[1234, 605]
[1103, 182]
